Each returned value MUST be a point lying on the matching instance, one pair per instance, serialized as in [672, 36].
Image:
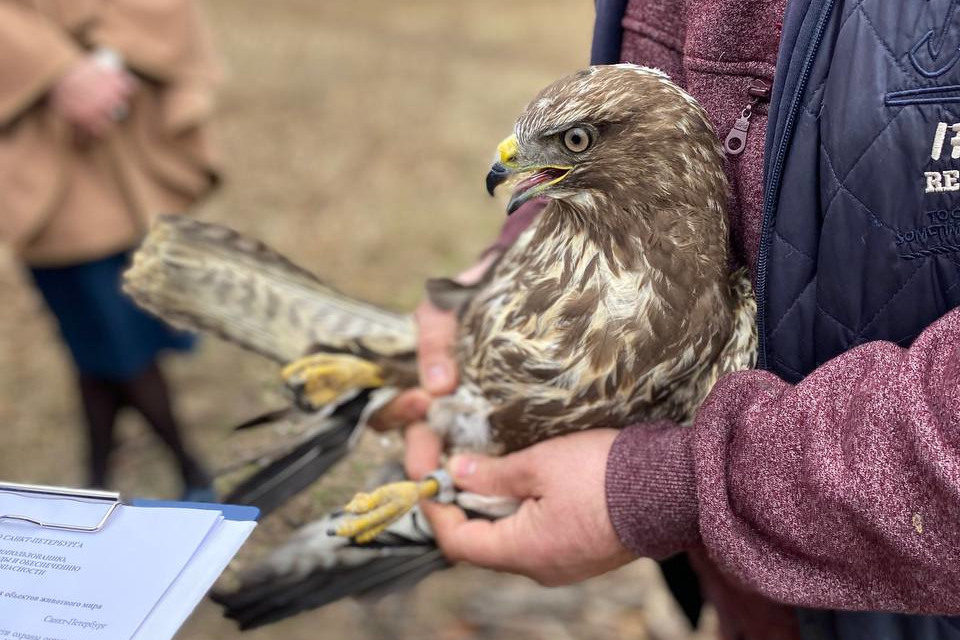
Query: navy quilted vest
[861, 236]
[861, 233]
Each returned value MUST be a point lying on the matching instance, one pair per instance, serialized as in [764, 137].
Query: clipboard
[62, 493]
[145, 567]
[233, 512]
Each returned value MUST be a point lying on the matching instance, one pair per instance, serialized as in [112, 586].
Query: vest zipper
[735, 142]
[772, 187]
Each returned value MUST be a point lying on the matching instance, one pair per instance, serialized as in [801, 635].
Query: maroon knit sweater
[840, 492]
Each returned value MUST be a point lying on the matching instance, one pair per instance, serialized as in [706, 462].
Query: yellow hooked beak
[535, 178]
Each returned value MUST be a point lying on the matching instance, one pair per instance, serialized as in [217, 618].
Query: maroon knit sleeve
[840, 492]
[651, 489]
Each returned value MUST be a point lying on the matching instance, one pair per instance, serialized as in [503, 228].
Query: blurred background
[355, 138]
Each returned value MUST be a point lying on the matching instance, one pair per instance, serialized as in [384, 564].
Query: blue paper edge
[236, 512]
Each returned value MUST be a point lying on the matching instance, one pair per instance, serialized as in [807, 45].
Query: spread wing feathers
[206, 277]
[289, 471]
[314, 569]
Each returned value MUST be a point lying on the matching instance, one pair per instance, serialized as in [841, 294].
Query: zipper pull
[736, 140]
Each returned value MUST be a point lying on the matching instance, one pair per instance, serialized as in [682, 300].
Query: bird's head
[611, 134]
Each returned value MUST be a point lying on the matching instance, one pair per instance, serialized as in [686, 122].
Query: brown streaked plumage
[615, 307]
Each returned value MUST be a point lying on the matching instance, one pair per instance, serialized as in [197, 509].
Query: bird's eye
[576, 139]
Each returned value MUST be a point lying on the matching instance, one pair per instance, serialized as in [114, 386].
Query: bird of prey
[616, 306]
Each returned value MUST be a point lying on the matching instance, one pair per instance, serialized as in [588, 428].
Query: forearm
[840, 492]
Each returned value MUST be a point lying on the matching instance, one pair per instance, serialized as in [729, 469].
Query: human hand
[561, 533]
[436, 333]
[438, 369]
[89, 95]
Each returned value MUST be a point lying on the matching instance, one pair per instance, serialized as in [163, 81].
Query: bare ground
[356, 136]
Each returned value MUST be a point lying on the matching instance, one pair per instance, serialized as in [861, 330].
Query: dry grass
[356, 136]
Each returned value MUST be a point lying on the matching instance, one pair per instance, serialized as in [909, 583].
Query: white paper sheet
[201, 572]
[59, 585]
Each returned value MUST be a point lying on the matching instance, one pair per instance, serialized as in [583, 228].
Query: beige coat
[61, 202]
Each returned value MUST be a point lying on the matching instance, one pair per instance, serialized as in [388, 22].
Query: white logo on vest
[948, 180]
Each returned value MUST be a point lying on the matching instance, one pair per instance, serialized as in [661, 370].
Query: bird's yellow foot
[319, 379]
[373, 512]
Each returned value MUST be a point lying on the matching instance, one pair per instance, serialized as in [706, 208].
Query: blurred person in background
[103, 124]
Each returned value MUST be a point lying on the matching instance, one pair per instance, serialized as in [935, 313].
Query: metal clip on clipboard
[62, 493]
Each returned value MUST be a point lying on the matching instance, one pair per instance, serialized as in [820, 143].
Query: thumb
[509, 476]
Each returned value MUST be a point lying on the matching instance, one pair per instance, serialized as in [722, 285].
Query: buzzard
[616, 306]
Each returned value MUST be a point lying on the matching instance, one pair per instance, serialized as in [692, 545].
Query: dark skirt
[107, 334]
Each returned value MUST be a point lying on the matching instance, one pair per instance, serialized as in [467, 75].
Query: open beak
[530, 180]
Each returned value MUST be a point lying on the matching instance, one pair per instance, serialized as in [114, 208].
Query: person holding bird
[817, 494]
[593, 376]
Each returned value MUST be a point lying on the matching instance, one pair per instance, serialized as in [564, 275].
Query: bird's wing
[290, 469]
[314, 569]
[206, 277]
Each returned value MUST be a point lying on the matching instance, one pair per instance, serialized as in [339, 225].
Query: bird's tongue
[544, 175]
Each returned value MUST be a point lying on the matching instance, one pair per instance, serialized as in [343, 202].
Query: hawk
[616, 306]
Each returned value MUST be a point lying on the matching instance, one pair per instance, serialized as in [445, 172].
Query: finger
[437, 332]
[421, 451]
[477, 541]
[405, 408]
[511, 476]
